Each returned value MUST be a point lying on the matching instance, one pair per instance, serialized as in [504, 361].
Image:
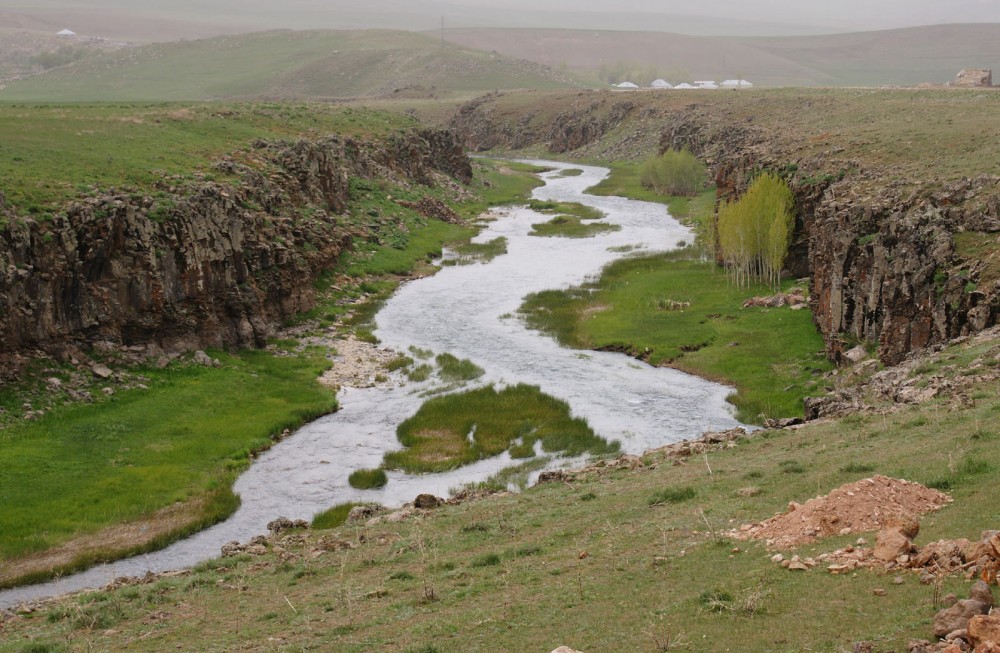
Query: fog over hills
[152, 20]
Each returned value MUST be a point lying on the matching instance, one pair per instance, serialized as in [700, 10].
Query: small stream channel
[468, 311]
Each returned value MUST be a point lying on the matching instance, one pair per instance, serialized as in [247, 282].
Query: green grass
[468, 253]
[673, 495]
[451, 368]
[53, 153]
[680, 311]
[317, 65]
[509, 573]
[568, 226]
[575, 209]
[437, 437]
[85, 468]
[499, 183]
[367, 479]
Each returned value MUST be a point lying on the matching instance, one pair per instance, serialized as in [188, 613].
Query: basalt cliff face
[888, 259]
[200, 264]
[884, 255]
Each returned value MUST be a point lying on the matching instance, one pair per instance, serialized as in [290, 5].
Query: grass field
[52, 153]
[287, 65]
[682, 312]
[80, 469]
[624, 560]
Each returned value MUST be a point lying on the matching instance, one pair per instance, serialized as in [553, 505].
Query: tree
[756, 230]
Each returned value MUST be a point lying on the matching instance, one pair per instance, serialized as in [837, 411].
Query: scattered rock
[957, 616]
[566, 649]
[201, 358]
[102, 371]
[427, 501]
[892, 542]
[983, 630]
[362, 513]
[284, 524]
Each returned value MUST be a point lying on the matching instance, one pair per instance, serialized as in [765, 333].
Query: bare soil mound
[865, 505]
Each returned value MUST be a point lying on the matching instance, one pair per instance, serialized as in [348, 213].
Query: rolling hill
[902, 57]
[288, 65]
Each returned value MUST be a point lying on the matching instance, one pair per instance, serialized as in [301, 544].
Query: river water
[468, 311]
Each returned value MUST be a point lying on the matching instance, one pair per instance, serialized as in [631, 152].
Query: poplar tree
[755, 231]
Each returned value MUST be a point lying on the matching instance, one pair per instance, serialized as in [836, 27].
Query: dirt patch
[107, 542]
[865, 505]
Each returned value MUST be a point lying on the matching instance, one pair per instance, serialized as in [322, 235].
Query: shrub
[672, 495]
[366, 479]
[675, 172]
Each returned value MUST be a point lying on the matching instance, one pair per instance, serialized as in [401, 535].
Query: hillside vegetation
[285, 65]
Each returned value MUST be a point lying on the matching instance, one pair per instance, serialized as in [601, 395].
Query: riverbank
[638, 545]
[145, 452]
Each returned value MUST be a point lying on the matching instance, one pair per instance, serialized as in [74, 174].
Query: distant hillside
[894, 57]
[287, 65]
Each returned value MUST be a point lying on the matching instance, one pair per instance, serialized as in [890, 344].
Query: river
[468, 311]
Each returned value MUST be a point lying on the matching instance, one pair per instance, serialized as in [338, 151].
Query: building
[736, 83]
[66, 33]
[660, 83]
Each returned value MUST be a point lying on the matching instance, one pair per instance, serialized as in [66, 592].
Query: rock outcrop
[190, 265]
[881, 253]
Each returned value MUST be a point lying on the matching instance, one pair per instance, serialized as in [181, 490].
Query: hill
[902, 57]
[286, 65]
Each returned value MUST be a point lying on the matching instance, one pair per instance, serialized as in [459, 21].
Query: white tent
[706, 84]
[660, 83]
[684, 85]
[736, 83]
[66, 32]
[626, 85]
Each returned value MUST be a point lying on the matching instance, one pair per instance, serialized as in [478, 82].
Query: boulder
[892, 542]
[957, 616]
[427, 501]
[361, 513]
[101, 371]
[981, 592]
[984, 629]
[856, 355]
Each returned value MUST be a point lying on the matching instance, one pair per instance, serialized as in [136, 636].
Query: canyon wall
[889, 259]
[198, 264]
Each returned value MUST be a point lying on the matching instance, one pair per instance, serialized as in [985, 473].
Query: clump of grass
[673, 495]
[367, 479]
[333, 517]
[791, 467]
[568, 226]
[420, 373]
[399, 363]
[570, 172]
[401, 575]
[486, 560]
[420, 354]
[452, 368]
[459, 429]
[467, 253]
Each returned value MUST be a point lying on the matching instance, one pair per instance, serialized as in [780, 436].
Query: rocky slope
[893, 249]
[199, 264]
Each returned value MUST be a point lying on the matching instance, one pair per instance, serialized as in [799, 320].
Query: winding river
[468, 311]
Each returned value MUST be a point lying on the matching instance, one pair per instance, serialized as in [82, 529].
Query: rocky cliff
[198, 264]
[893, 259]
[886, 257]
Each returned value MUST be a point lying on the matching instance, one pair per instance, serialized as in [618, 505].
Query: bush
[366, 479]
[675, 172]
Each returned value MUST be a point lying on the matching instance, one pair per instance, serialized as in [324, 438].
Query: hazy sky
[722, 17]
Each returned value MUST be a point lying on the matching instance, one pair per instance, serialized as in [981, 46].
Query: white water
[466, 311]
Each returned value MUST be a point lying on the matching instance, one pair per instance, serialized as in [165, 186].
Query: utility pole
[442, 31]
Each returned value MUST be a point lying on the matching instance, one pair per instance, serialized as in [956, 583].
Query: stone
[201, 358]
[856, 355]
[566, 649]
[280, 524]
[361, 513]
[981, 592]
[102, 371]
[427, 501]
[232, 548]
[892, 543]
[957, 616]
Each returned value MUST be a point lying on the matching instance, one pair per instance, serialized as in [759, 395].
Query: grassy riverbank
[598, 563]
[130, 459]
[154, 456]
[680, 310]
